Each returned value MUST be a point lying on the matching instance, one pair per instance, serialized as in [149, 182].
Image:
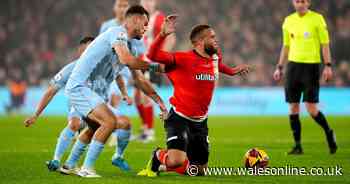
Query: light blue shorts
[83, 99]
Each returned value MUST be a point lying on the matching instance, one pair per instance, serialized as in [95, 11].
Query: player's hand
[169, 25]
[327, 73]
[243, 69]
[128, 100]
[29, 121]
[277, 75]
[163, 112]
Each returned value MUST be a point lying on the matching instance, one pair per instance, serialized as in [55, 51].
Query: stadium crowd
[38, 37]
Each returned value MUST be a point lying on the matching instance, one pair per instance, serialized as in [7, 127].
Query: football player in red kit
[193, 74]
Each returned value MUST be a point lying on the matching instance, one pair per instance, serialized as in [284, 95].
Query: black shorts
[302, 79]
[188, 136]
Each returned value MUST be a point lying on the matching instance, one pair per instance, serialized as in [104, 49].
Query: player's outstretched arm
[128, 59]
[142, 83]
[242, 69]
[157, 55]
[155, 52]
[134, 63]
[123, 90]
[47, 97]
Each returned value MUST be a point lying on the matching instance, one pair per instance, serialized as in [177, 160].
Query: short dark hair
[136, 10]
[86, 40]
[197, 30]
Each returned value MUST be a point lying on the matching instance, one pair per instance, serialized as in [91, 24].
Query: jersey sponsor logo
[205, 77]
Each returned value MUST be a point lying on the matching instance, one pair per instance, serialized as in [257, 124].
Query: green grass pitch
[23, 151]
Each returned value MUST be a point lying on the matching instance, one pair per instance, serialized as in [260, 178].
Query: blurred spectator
[17, 87]
[37, 37]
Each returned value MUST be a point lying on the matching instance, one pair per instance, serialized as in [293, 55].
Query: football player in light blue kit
[74, 118]
[108, 51]
[119, 10]
[122, 134]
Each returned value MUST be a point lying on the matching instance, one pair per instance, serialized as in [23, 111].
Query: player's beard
[138, 36]
[210, 49]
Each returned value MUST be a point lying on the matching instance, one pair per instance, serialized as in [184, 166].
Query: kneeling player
[193, 74]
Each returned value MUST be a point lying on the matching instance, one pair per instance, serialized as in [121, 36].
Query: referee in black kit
[304, 35]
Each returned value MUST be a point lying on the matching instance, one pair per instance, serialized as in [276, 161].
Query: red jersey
[193, 77]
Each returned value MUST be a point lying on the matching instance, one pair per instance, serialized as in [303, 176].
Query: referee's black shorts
[188, 136]
[302, 80]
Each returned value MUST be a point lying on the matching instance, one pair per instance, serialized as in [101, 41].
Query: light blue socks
[77, 150]
[63, 142]
[92, 154]
[123, 137]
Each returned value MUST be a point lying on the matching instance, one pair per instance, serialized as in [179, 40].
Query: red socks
[146, 114]
[162, 157]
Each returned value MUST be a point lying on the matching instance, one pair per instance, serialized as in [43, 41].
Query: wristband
[280, 67]
[154, 67]
[329, 64]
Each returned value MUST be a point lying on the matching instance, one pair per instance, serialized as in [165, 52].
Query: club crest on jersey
[122, 36]
[205, 77]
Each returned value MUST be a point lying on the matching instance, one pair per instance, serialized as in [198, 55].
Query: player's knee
[123, 122]
[86, 135]
[109, 121]
[110, 124]
[312, 109]
[294, 108]
[74, 124]
[175, 160]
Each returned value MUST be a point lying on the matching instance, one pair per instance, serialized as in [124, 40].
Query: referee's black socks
[321, 120]
[296, 128]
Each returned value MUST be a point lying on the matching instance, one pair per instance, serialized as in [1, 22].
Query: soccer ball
[256, 158]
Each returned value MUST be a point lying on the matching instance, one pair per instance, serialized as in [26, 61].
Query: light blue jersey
[59, 81]
[139, 48]
[94, 71]
[98, 61]
[108, 24]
